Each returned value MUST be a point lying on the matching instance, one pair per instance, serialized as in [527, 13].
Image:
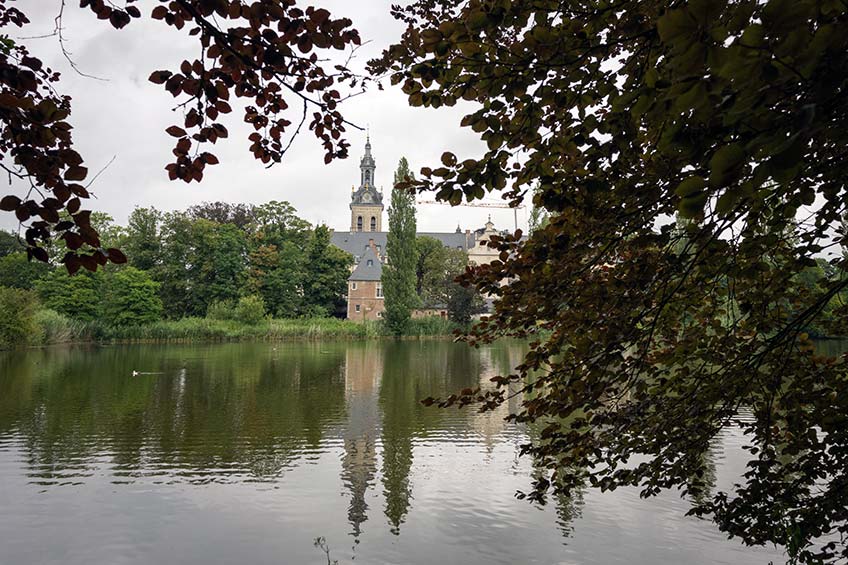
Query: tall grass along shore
[54, 328]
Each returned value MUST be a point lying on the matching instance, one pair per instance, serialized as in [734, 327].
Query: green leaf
[726, 202]
[692, 206]
[690, 187]
[675, 24]
[725, 164]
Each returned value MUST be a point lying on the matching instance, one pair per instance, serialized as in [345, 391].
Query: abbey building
[366, 241]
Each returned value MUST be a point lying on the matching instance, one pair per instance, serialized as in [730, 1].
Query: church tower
[366, 203]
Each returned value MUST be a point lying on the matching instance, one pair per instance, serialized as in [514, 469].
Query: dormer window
[370, 262]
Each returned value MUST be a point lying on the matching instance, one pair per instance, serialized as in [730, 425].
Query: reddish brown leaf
[159, 77]
[72, 240]
[88, 262]
[9, 203]
[31, 62]
[76, 172]
[72, 263]
[119, 19]
[176, 131]
[116, 255]
[38, 253]
[73, 205]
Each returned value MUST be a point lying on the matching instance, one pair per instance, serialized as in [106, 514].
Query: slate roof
[356, 242]
[366, 272]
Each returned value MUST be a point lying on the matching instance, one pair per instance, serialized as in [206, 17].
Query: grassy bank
[53, 328]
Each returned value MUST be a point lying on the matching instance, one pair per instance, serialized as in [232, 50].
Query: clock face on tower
[366, 197]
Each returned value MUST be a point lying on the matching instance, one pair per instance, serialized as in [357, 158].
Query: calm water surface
[244, 453]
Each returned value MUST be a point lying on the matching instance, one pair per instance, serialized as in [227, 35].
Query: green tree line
[225, 261]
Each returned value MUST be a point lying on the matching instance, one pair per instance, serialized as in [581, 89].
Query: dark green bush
[250, 310]
[131, 298]
[17, 317]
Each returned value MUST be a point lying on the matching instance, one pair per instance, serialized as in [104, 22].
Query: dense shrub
[77, 296]
[131, 298]
[428, 326]
[221, 310]
[17, 317]
[314, 311]
[16, 271]
[250, 310]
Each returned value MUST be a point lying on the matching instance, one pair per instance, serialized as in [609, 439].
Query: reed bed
[54, 328]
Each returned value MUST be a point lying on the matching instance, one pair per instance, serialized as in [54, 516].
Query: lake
[245, 453]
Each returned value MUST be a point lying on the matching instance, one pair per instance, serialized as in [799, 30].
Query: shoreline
[52, 330]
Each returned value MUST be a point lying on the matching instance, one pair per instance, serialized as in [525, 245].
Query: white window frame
[353, 286]
[379, 290]
[358, 307]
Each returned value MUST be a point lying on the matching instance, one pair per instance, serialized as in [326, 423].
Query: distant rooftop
[370, 268]
[355, 243]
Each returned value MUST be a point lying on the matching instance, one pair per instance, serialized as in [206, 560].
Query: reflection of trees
[567, 494]
[413, 371]
[702, 480]
[215, 412]
[246, 411]
[497, 360]
[397, 400]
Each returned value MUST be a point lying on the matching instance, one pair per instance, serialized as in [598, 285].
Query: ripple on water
[235, 454]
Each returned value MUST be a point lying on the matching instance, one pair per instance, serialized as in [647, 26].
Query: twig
[100, 172]
[57, 31]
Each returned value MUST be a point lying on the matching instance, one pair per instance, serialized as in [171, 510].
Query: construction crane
[479, 205]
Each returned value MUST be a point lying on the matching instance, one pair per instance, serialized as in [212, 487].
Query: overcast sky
[126, 115]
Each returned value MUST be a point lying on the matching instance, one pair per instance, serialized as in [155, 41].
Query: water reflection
[249, 451]
[238, 413]
[226, 415]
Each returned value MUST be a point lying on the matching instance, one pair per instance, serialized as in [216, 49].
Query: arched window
[373, 223]
[367, 177]
[359, 223]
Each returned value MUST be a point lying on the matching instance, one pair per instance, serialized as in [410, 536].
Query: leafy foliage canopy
[649, 336]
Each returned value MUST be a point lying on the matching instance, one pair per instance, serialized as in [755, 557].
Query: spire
[367, 166]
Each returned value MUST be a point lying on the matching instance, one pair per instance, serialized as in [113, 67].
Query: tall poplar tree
[399, 274]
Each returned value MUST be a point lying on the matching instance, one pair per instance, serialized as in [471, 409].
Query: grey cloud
[126, 117]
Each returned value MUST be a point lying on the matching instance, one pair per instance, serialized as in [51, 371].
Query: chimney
[373, 246]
